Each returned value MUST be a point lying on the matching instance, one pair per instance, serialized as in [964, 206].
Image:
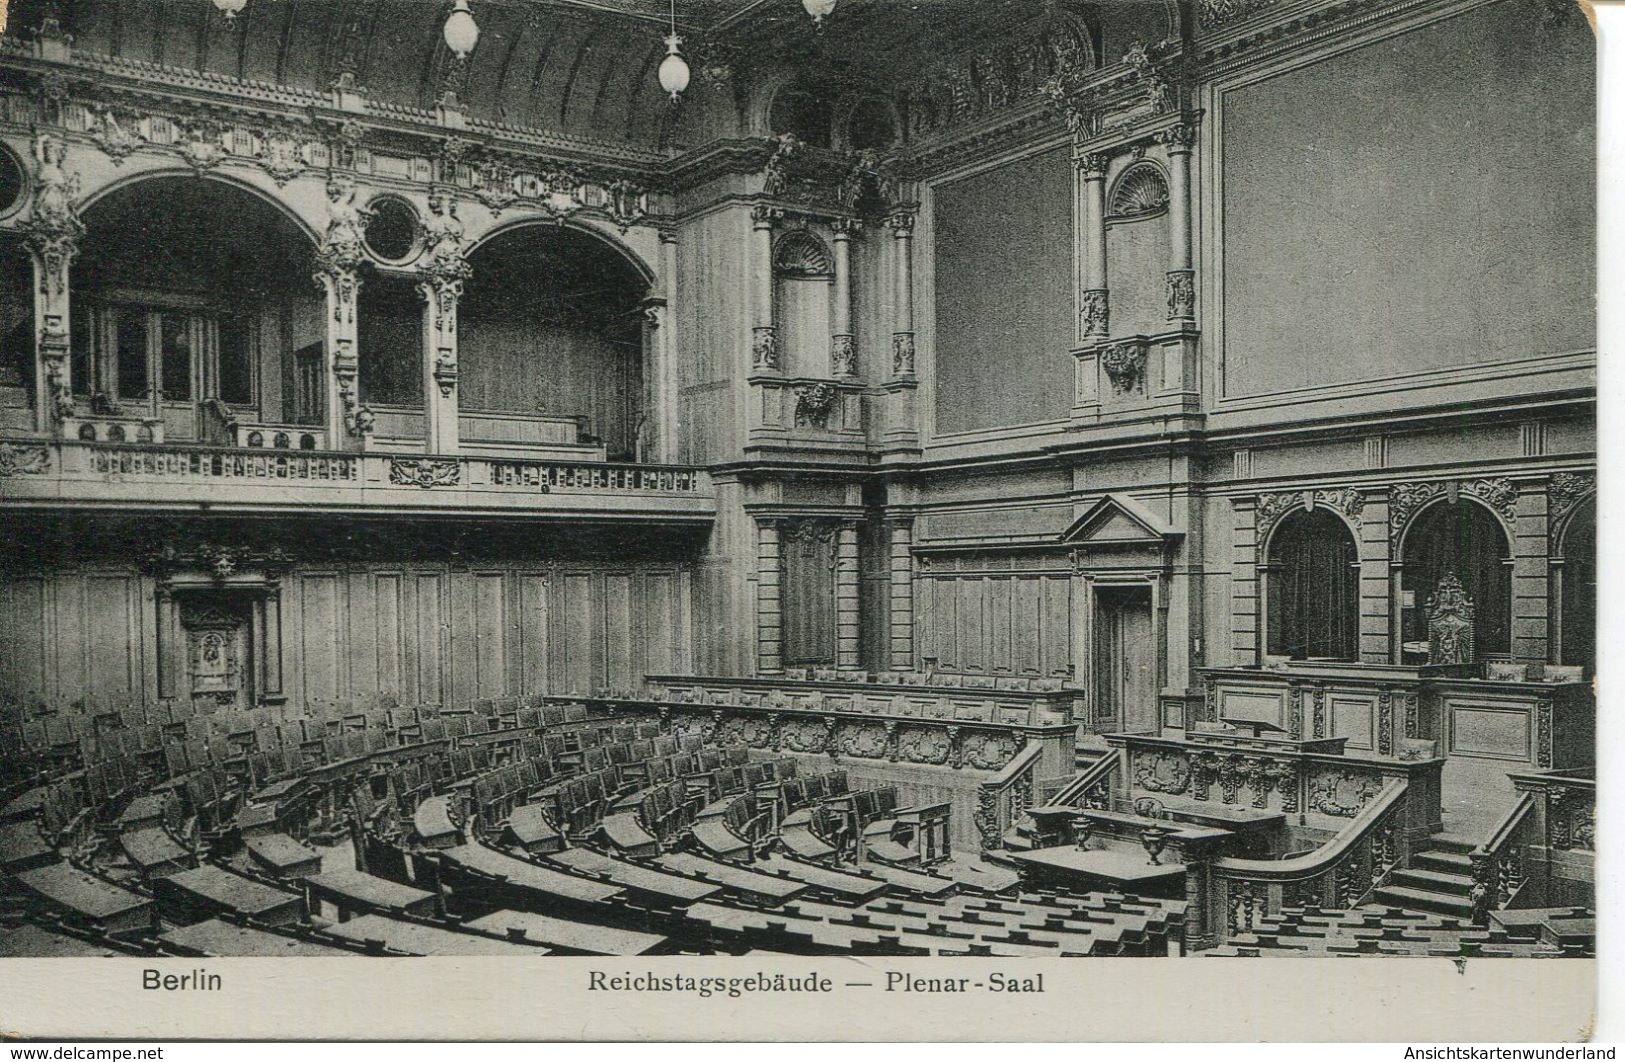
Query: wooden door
[1125, 659]
[218, 670]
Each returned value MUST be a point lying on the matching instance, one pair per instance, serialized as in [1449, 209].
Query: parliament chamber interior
[1013, 478]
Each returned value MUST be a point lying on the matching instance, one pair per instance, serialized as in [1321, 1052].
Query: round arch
[1574, 586]
[96, 197]
[1469, 540]
[619, 246]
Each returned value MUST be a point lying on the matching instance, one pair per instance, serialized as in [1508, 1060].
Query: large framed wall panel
[25, 639]
[321, 625]
[993, 622]
[533, 632]
[387, 649]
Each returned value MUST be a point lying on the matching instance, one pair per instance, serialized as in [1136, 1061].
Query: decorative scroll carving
[1499, 494]
[1181, 294]
[424, 472]
[118, 139]
[1162, 772]
[1124, 363]
[1567, 490]
[54, 227]
[987, 818]
[1094, 316]
[1218, 12]
[1571, 816]
[1287, 777]
[1204, 768]
[1271, 507]
[23, 460]
[1341, 793]
[1320, 712]
[1385, 723]
[1052, 62]
[867, 741]
[1406, 499]
[1412, 722]
[1295, 712]
[1450, 615]
[815, 403]
[1229, 774]
[1161, 92]
[1543, 733]
[1260, 777]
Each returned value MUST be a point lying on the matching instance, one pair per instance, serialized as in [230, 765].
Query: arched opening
[1313, 581]
[1576, 588]
[190, 298]
[1462, 540]
[550, 346]
[16, 335]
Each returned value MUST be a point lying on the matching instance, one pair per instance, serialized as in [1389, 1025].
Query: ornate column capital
[1093, 166]
[1094, 314]
[842, 230]
[1178, 138]
[901, 221]
[763, 216]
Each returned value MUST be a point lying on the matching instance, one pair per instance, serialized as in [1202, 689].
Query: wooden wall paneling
[622, 639]
[70, 641]
[1055, 653]
[24, 641]
[386, 619]
[319, 629]
[572, 634]
[112, 626]
[489, 622]
[364, 635]
[426, 637]
[533, 632]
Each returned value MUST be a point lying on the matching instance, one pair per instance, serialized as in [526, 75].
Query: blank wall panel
[427, 638]
[364, 638]
[71, 641]
[490, 624]
[319, 629]
[23, 642]
[574, 633]
[114, 627]
[622, 644]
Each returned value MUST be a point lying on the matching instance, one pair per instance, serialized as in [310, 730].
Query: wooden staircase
[1439, 879]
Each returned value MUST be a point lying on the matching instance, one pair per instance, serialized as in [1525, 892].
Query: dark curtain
[1314, 589]
[1463, 538]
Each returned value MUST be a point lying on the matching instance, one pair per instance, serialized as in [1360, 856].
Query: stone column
[848, 599]
[440, 291]
[268, 643]
[665, 412]
[764, 334]
[1094, 313]
[53, 230]
[169, 649]
[843, 361]
[1181, 282]
[769, 610]
[901, 562]
[901, 222]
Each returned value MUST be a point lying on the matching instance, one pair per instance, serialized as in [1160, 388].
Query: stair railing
[1003, 799]
[1092, 788]
[1340, 874]
[1499, 870]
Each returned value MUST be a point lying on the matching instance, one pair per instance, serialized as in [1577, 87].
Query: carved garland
[424, 472]
[1124, 365]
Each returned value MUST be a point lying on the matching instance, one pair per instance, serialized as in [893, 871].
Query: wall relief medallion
[815, 403]
[1162, 772]
[1341, 793]
[1124, 365]
[425, 472]
[18, 460]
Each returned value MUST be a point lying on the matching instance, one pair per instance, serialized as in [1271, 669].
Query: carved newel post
[1094, 311]
[901, 223]
[53, 230]
[843, 358]
[337, 259]
[442, 272]
[764, 333]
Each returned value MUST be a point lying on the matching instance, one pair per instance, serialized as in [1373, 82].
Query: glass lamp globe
[462, 33]
[673, 69]
[230, 8]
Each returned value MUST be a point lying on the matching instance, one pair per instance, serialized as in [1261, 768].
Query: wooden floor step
[1435, 881]
[1449, 862]
[1423, 900]
[1451, 842]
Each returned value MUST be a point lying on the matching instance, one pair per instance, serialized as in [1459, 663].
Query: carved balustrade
[1543, 853]
[1238, 893]
[100, 473]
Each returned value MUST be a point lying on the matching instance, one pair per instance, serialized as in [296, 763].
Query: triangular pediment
[1118, 520]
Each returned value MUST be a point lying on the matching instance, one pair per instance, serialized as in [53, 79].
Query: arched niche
[1312, 587]
[1137, 248]
[1574, 586]
[1466, 540]
[193, 294]
[803, 285]
[550, 345]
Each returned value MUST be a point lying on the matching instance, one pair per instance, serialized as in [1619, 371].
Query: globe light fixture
[461, 32]
[230, 8]
[674, 68]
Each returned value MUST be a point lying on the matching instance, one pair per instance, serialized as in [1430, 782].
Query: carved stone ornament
[1162, 772]
[1271, 507]
[118, 137]
[53, 227]
[1567, 490]
[1160, 90]
[801, 254]
[764, 349]
[1140, 192]
[343, 239]
[1219, 12]
[815, 403]
[1181, 294]
[1053, 59]
[1406, 499]
[626, 203]
[1499, 494]
[1094, 316]
[843, 355]
[1450, 615]
[902, 354]
[1341, 793]
[424, 472]
[23, 460]
[1124, 365]
[203, 148]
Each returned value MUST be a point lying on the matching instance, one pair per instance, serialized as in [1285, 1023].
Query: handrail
[1322, 859]
[1498, 871]
[1096, 773]
[1018, 764]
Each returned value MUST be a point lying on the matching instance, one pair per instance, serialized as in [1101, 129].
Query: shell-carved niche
[801, 254]
[1140, 193]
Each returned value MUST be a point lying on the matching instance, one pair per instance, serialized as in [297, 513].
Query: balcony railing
[84, 474]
